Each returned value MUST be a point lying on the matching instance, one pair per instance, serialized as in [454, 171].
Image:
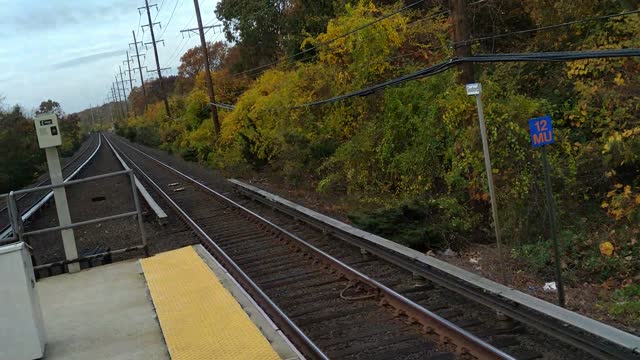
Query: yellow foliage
[606, 248]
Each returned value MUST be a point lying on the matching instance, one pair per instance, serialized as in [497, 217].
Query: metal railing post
[136, 201]
[14, 216]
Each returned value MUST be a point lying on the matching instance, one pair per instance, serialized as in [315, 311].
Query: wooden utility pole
[144, 91]
[205, 52]
[124, 91]
[155, 51]
[457, 9]
[128, 61]
[116, 98]
[122, 112]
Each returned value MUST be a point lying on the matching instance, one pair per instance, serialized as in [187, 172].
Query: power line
[166, 25]
[542, 28]
[158, 12]
[461, 43]
[359, 28]
[155, 51]
[176, 50]
[138, 27]
[182, 40]
[446, 65]
[392, 58]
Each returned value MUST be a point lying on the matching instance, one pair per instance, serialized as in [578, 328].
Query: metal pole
[492, 194]
[14, 216]
[136, 201]
[212, 96]
[62, 207]
[552, 220]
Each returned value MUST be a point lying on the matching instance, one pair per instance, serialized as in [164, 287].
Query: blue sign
[541, 131]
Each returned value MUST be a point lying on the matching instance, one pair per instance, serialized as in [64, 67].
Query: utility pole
[119, 98]
[116, 102]
[457, 9]
[205, 52]
[113, 99]
[130, 80]
[144, 91]
[155, 51]
[129, 71]
[124, 91]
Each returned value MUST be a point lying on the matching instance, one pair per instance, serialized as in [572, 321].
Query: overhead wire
[158, 12]
[388, 59]
[466, 42]
[543, 28]
[166, 26]
[498, 35]
[446, 65]
[184, 41]
[325, 43]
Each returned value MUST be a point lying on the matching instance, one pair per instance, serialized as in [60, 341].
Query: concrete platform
[100, 313]
[203, 314]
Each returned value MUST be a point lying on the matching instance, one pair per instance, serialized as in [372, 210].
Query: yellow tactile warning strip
[199, 318]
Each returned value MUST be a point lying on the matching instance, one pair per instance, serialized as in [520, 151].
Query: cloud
[47, 16]
[80, 60]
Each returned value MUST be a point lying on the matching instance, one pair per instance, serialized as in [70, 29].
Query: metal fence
[19, 233]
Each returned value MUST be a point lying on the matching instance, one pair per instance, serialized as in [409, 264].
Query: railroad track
[29, 203]
[326, 307]
[536, 334]
[556, 327]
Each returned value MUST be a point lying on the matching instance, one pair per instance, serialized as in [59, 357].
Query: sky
[69, 50]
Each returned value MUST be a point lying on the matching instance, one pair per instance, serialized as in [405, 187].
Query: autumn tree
[263, 30]
[192, 62]
[19, 153]
[50, 106]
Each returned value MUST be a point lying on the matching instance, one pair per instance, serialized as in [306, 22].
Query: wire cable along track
[327, 308]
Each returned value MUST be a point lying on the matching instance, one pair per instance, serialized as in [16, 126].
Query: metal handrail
[35, 206]
[70, 182]
[18, 230]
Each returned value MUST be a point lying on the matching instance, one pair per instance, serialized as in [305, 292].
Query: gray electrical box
[22, 335]
[48, 131]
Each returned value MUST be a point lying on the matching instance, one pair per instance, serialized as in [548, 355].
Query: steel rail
[38, 204]
[592, 343]
[288, 327]
[450, 335]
